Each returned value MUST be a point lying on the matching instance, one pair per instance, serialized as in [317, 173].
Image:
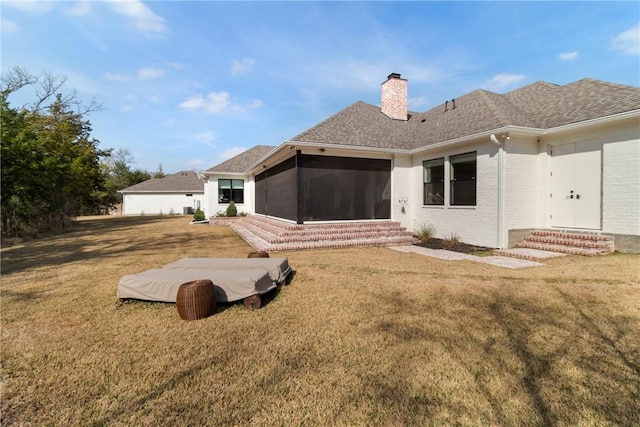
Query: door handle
[578, 196]
[570, 196]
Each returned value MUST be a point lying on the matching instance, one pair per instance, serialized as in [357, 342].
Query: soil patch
[449, 245]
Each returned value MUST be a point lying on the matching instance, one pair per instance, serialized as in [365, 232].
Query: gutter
[500, 226]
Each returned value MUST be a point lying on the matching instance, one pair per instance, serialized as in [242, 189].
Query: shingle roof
[540, 105]
[242, 161]
[183, 182]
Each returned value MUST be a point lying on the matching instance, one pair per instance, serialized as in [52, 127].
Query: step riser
[327, 232]
[578, 243]
[302, 237]
[297, 227]
[564, 249]
[564, 242]
[572, 236]
[272, 235]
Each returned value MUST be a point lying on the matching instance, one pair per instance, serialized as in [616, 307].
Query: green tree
[50, 163]
[119, 174]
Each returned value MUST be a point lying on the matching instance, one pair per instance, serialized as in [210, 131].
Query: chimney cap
[393, 76]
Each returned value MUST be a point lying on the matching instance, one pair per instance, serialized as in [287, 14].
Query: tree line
[52, 169]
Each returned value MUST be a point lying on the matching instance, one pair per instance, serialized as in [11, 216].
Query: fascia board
[593, 122]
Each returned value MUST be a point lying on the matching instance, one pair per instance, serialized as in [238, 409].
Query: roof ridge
[497, 112]
[604, 83]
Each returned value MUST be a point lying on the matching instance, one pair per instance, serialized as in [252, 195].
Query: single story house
[176, 194]
[483, 167]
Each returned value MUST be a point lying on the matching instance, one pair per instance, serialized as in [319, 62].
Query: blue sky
[187, 84]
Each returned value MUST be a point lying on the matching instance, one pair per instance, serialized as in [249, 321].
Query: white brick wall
[402, 183]
[521, 184]
[211, 189]
[160, 204]
[472, 224]
[621, 181]
[620, 206]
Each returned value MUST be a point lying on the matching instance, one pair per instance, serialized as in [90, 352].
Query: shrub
[198, 215]
[231, 209]
[452, 240]
[426, 232]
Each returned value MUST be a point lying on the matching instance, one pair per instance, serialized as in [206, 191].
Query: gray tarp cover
[162, 284]
[277, 267]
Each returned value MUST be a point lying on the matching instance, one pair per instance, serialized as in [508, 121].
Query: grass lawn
[363, 336]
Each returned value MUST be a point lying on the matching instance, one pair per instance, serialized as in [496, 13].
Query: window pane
[463, 179]
[434, 194]
[237, 195]
[434, 182]
[224, 195]
[463, 193]
[237, 183]
[224, 183]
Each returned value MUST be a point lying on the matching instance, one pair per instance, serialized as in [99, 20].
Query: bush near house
[232, 211]
[198, 215]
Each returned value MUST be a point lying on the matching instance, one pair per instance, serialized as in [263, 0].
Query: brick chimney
[394, 97]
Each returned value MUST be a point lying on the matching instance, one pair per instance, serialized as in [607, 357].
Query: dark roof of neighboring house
[242, 161]
[181, 182]
[540, 105]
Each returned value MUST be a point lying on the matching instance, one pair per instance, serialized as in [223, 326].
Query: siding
[160, 203]
[472, 224]
[521, 186]
[621, 181]
[402, 183]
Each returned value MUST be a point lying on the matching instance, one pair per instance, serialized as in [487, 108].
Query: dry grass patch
[364, 336]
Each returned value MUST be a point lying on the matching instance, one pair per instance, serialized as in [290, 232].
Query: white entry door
[576, 185]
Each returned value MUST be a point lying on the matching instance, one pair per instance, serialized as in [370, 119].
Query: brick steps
[573, 243]
[267, 234]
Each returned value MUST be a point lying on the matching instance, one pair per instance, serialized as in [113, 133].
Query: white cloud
[417, 102]
[177, 65]
[117, 77]
[569, 56]
[149, 73]
[9, 26]
[231, 152]
[503, 81]
[215, 102]
[207, 136]
[628, 41]
[126, 108]
[140, 16]
[243, 66]
[218, 102]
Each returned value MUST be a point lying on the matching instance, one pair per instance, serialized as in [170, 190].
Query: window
[434, 182]
[230, 189]
[463, 179]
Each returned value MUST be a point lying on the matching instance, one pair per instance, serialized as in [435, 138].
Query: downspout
[500, 227]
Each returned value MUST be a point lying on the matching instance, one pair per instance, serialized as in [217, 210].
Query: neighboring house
[176, 194]
[483, 167]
